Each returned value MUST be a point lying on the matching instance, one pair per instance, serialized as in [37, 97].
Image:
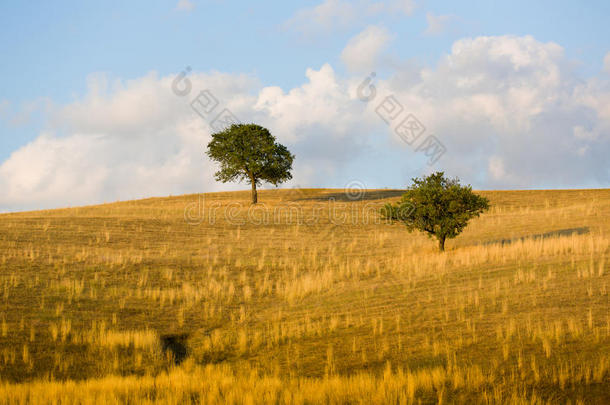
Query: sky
[503, 95]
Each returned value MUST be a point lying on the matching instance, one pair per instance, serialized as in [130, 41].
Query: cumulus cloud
[331, 15]
[511, 114]
[363, 51]
[120, 141]
[136, 138]
[607, 63]
[508, 109]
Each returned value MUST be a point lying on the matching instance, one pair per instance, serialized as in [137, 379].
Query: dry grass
[306, 301]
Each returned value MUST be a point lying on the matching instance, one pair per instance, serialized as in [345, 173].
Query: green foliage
[439, 206]
[249, 152]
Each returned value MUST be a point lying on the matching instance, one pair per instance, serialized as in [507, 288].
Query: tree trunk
[441, 243]
[254, 194]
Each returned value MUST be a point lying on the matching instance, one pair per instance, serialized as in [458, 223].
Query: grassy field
[308, 298]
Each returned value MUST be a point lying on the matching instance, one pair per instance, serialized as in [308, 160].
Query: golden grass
[306, 300]
[221, 385]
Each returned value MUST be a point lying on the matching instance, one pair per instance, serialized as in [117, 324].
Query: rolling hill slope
[308, 296]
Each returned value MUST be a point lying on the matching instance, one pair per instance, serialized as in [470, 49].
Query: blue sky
[52, 52]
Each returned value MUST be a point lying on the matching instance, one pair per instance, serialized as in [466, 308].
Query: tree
[436, 205]
[249, 152]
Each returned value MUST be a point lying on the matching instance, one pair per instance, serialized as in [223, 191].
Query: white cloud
[185, 5]
[437, 24]
[321, 120]
[508, 111]
[507, 107]
[133, 139]
[362, 52]
[332, 15]
[607, 63]
[121, 141]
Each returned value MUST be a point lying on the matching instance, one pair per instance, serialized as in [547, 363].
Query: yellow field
[308, 298]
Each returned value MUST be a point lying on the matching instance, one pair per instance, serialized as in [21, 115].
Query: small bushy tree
[439, 206]
[249, 152]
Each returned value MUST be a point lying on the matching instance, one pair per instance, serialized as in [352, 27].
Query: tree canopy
[438, 206]
[249, 152]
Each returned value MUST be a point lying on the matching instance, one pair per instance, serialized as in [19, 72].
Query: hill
[308, 296]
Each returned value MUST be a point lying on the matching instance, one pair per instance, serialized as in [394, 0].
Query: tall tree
[439, 206]
[249, 152]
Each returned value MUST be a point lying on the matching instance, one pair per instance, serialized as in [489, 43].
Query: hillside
[307, 297]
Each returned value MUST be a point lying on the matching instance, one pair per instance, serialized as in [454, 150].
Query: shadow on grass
[357, 196]
[175, 346]
[560, 232]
